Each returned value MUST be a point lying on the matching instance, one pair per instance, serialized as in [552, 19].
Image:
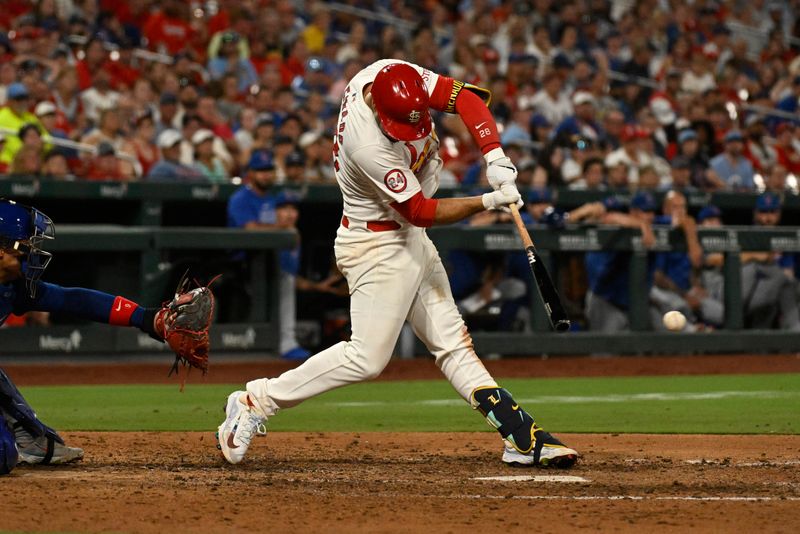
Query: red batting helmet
[401, 99]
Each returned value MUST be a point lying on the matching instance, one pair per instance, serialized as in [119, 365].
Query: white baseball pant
[393, 276]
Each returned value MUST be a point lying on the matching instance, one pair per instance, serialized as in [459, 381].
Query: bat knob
[562, 325]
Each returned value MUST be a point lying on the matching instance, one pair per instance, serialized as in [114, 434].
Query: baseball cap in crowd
[562, 62]
[286, 197]
[265, 119]
[202, 135]
[516, 57]
[169, 138]
[709, 212]
[643, 201]
[17, 91]
[261, 160]
[307, 139]
[104, 148]
[295, 157]
[733, 135]
[43, 108]
[168, 98]
[681, 162]
[582, 97]
[662, 109]
[540, 195]
[768, 202]
[686, 135]
[540, 121]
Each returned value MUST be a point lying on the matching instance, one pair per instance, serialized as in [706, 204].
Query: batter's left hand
[501, 172]
[502, 199]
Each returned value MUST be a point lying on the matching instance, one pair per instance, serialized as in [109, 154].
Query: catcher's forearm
[89, 304]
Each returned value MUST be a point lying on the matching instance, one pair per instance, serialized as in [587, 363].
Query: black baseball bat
[552, 302]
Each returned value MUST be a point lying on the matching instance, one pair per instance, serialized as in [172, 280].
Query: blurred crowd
[590, 94]
[631, 96]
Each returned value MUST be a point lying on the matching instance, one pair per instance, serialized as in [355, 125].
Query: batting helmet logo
[401, 100]
[395, 181]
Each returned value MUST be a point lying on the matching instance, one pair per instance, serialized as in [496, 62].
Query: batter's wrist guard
[501, 412]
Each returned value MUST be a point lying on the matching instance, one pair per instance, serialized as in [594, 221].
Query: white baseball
[674, 320]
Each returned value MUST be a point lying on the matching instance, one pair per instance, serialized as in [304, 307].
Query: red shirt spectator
[166, 28]
[787, 155]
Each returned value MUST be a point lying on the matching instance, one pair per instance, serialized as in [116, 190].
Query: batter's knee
[367, 364]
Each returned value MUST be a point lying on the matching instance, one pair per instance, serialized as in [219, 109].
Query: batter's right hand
[501, 199]
[501, 172]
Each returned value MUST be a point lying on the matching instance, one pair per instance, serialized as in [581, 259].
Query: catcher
[183, 323]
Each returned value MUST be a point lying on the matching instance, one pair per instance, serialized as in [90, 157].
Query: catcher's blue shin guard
[8, 448]
[17, 408]
[526, 443]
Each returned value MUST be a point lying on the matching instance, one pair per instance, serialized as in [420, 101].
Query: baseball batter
[387, 165]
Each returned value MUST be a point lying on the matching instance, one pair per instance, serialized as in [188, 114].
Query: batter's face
[10, 266]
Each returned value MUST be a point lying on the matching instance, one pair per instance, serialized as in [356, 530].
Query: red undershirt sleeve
[478, 120]
[417, 210]
[449, 96]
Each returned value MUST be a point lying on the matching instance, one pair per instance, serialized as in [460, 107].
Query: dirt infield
[410, 482]
[389, 482]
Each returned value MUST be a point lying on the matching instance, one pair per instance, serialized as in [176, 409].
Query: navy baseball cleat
[239, 428]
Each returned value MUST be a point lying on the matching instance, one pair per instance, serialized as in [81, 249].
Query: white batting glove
[501, 199]
[501, 172]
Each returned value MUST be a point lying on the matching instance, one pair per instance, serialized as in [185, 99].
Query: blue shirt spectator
[169, 168]
[732, 167]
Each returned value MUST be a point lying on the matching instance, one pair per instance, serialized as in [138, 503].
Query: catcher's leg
[37, 442]
[435, 319]
[8, 448]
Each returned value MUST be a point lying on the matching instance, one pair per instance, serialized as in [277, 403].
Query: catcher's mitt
[184, 322]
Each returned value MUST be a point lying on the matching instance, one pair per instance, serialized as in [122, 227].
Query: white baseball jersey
[373, 171]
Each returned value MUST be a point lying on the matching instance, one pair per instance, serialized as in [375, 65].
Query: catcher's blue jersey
[9, 297]
[75, 301]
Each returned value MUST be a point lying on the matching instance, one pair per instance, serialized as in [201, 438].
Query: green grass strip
[719, 404]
